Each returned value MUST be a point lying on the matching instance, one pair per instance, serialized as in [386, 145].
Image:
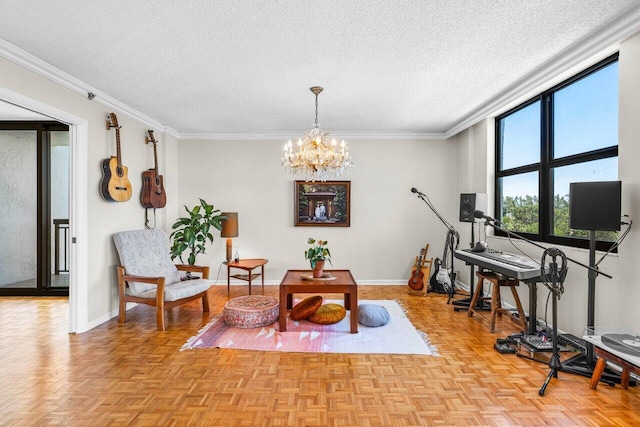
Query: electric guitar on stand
[152, 194]
[115, 185]
[440, 281]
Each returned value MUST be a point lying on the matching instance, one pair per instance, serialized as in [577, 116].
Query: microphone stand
[557, 279]
[453, 239]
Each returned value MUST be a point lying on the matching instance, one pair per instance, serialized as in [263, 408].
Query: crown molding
[351, 136]
[583, 54]
[48, 71]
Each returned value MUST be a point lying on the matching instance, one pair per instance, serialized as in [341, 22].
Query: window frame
[546, 164]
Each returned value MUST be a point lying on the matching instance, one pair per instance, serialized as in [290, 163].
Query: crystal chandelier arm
[317, 158]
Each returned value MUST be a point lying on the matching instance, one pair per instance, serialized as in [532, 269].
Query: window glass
[585, 113]
[19, 208]
[520, 202]
[520, 137]
[568, 133]
[597, 170]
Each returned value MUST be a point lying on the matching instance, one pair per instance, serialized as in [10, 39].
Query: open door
[34, 177]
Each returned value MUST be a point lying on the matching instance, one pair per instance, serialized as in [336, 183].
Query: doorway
[34, 183]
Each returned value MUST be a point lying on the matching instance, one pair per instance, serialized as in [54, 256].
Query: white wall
[389, 224]
[616, 299]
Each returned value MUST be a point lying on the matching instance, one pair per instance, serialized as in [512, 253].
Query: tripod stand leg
[552, 373]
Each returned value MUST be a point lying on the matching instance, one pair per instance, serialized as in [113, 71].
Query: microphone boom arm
[428, 202]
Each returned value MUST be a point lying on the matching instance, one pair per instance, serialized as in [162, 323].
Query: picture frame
[322, 204]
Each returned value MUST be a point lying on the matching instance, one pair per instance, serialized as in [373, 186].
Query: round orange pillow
[328, 314]
[306, 308]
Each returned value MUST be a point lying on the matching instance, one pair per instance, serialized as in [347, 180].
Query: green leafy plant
[317, 252]
[192, 232]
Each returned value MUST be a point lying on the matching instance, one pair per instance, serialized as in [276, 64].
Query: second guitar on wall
[152, 194]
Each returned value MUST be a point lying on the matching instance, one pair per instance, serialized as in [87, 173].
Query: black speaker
[471, 202]
[595, 205]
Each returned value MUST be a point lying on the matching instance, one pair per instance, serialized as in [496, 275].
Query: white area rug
[398, 336]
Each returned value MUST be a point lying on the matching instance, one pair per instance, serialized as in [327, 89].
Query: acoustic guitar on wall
[115, 185]
[152, 194]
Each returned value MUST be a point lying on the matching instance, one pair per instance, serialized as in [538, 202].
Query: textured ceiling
[245, 67]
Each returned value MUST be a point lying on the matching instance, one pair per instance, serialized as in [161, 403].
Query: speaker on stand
[469, 203]
[593, 206]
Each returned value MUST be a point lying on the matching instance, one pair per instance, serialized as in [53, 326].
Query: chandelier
[318, 158]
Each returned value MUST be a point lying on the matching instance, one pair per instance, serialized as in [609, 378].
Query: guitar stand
[453, 239]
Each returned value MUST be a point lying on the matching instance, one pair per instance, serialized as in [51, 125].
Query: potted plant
[317, 254]
[192, 232]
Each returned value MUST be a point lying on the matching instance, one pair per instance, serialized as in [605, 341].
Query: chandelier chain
[316, 110]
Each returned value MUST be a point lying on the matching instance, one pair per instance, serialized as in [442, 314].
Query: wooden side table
[247, 265]
[606, 354]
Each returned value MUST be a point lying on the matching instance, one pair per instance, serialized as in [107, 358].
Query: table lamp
[229, 230]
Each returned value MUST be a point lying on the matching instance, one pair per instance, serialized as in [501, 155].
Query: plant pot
[319, 269]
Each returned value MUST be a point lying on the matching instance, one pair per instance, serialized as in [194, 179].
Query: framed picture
[323, 204]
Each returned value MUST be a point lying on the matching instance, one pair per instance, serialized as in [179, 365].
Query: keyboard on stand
[511, 265]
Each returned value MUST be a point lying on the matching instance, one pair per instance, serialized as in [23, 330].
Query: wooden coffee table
[293, 283]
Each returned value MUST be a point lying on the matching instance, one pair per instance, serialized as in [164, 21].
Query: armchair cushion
[179, 290]
[146, 253]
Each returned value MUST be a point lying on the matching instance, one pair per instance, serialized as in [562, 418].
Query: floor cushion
[372, 315]
[251, 311]
[306, 308]
[328, 314]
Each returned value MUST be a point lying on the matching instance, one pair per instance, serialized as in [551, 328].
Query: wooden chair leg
[122, 304]
[160, 304]
[476, 294]
[523, 318]
[597, 373]
[122, 311]
[496, 305]
[624, 378]
[205, 302]
[160, 318]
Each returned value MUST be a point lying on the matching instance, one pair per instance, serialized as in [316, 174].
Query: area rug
[398, 336]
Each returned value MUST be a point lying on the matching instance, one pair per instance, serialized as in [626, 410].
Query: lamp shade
[230, 225]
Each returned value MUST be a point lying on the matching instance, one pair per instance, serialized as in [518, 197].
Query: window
[566, 134]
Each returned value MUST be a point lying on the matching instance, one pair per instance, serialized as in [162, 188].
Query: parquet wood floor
[132, 374]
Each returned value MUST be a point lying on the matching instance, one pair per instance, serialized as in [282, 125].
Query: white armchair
[148, 276]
